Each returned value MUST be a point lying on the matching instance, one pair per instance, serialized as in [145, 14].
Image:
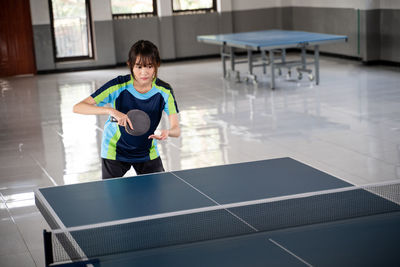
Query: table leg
[283, 61]
[232, 53]
[223, 60]
[303, 58]
[316, 63]
[264, 61]
[271, 60]
[250, 75]
[250, 61]
[304, 65]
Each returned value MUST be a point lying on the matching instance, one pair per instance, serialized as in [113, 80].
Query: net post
[48, 250]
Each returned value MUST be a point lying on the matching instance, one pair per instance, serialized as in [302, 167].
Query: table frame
[227, 51]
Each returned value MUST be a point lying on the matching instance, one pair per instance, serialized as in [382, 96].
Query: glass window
[71, 25]
[133, 8]
[193, 5]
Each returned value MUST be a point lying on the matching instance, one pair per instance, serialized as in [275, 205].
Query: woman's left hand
[162, 136]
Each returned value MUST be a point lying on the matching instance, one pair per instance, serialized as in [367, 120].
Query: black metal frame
[90, 35]
[48, 250]
[137, 15]
[194, 11]
[49, 256]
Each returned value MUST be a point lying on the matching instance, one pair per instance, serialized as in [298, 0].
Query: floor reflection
[347, 126]
[80, 136]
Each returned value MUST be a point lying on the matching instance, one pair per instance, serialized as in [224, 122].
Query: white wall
[389, 4]
[356, 4]
[224, 5]
[254, 4]
[40, 12]
[164, 8]
[101, 10]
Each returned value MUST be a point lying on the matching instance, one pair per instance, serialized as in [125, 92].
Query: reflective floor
[348, 126]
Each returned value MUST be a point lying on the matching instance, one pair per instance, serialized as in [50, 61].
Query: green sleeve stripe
[171, 100]
[171, 104]
[108, 92]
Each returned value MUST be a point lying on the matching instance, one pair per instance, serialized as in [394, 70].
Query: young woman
[139, 90]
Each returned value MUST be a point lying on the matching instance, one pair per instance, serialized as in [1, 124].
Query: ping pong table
[271, 41]
[276, 212]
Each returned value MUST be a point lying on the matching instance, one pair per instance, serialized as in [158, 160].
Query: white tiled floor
[348, 126]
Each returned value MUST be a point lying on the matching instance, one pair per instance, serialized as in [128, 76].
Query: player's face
[143, 73]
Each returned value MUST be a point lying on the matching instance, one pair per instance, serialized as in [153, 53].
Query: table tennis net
[223, 221]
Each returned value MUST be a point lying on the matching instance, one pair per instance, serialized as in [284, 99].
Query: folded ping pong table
[277, 212]
[272, 41]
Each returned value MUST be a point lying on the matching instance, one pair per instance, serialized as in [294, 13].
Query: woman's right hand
[88, 106]
[122, 119]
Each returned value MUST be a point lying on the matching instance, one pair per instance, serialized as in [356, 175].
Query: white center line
[291, 253]
[213, 200]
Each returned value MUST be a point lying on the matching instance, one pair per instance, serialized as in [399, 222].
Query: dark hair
[148, 55]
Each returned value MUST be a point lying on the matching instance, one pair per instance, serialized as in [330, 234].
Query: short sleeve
[101, 96]
[109, 91]
[171, 106]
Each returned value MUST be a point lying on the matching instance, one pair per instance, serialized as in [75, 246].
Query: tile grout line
[44, 170]
[19, 230]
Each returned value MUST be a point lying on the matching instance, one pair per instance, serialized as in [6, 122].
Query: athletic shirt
[117, 144]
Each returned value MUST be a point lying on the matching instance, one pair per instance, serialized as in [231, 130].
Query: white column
[40, 12]
[224, 6]
[164, 8]
[101, 10]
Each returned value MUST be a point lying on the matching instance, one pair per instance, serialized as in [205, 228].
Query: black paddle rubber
[140, 122]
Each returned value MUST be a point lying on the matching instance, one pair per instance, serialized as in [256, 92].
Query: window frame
[136, 15]
[195, 11]
[89, 33]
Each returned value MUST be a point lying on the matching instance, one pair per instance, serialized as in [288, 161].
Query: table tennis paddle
[140, 122]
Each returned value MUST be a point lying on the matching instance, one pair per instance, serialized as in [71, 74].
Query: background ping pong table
[359, 240]
[271, 41]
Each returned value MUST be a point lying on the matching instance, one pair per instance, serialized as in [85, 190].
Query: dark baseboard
[334, 55]
[381, 63]
[190, 58]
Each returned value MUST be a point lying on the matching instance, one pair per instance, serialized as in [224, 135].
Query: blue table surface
[370, 241]
[269, 38]
[366, 241]
[123, 198]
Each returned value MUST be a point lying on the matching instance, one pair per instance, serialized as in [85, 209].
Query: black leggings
[115, 168]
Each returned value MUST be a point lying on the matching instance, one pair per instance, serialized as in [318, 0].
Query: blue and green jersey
[117, 144]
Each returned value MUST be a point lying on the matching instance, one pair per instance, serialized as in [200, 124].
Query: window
[72, 33]
[122, 9]
[193, 6]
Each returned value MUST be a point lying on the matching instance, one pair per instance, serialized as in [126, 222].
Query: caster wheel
[300, 76]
